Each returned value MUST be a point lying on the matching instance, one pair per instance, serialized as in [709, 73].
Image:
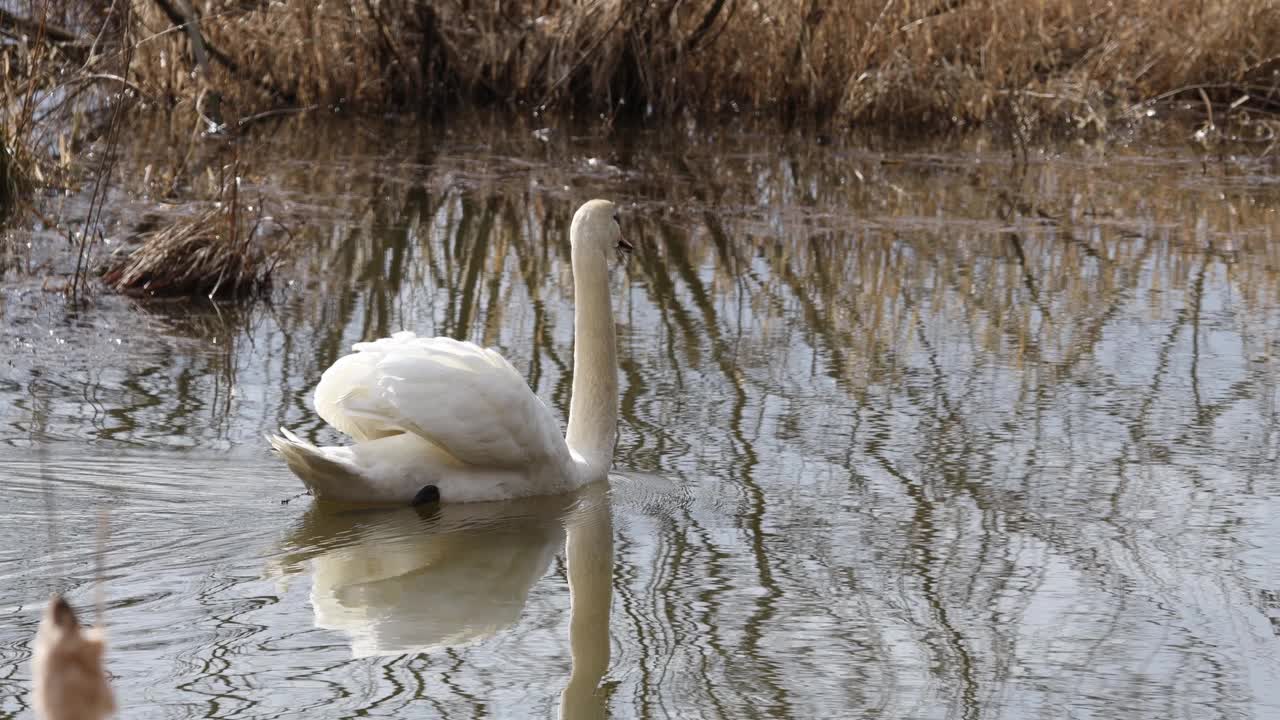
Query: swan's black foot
[428, 494]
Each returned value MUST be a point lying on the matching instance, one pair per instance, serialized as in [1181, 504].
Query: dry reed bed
[907, 63]
[56, 88]
[12, 179]
[216, 254]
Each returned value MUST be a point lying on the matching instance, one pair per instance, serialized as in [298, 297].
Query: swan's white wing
[349, 382]
[458, 395]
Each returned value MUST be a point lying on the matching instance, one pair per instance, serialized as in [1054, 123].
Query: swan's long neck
[593, 409]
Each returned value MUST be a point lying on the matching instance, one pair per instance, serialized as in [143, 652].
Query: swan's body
[457, 417]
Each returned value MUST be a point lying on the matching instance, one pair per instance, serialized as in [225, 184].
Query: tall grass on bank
[902, 62]
[69, 68]
[53, 82]
[11, 179]
[27, 66]
[65, 89]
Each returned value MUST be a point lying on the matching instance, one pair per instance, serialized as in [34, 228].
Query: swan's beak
[624, 250]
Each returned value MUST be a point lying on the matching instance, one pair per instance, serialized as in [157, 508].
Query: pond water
[906, 433]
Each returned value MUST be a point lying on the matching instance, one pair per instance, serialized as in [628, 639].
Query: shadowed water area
[906, 433]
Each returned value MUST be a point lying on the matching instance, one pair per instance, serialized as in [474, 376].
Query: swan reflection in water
[412, 580]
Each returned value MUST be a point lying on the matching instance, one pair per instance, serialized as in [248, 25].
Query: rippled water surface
[907, 433]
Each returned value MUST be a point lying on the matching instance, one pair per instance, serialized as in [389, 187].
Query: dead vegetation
[914, 64]
[67, 68]
[906, 63]
[12, 179]
[218, 253]
[68, 678]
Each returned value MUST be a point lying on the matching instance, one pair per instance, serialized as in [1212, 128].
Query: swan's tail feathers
[323, 473]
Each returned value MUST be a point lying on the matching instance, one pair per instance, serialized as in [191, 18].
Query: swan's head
[596, 226]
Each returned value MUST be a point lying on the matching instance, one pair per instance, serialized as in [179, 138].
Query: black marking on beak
[625, 246]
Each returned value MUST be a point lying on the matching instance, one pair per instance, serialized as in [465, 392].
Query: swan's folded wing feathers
[471, 402]
[401, 338]
[344, 398]
[348, 396]
[468, 400]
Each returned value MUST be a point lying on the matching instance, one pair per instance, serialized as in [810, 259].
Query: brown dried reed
[217, 253]
[47, 78]
[13, 178]
[908, 64]
[900, 62]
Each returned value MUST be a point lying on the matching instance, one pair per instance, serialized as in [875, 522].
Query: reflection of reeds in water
[897, 290]
[862, 257]
[864, 251]
[924, 393]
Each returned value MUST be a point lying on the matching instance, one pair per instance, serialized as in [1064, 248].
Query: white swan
[439, 419]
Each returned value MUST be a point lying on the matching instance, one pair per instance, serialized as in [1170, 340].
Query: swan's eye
[617, 221]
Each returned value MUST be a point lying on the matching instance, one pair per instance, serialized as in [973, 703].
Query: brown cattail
[70, 682]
